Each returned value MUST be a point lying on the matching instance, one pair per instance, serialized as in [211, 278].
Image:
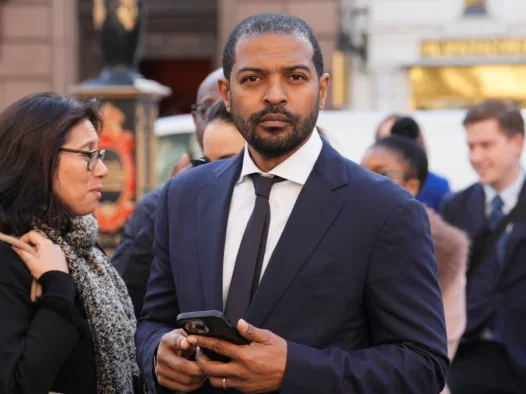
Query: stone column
[392, 89]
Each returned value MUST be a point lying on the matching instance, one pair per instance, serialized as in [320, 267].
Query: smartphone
[211, 324]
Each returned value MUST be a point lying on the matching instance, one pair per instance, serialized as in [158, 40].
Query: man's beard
[280, 143]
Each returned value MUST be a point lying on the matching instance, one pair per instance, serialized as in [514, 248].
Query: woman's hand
[48, 256]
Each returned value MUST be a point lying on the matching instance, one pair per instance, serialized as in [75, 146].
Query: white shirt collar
[509, 196]
[296, 168]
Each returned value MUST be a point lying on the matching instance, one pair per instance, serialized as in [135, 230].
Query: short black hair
[270, 23]
[406, 127]
[410, 151]
[218, 111]
[32, 131]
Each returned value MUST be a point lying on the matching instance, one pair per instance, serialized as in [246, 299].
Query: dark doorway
[182, 76]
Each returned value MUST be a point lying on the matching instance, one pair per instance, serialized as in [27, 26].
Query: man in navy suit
[492, 356]
[342, 295]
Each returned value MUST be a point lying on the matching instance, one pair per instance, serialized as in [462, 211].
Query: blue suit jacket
[490, 292]
[434, 191]
[351, 285]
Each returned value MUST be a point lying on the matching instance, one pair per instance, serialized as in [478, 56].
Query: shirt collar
[509, 196]
[296, 168]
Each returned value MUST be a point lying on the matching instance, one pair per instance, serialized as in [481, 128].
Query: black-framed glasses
[199, 162]
[394, 174]
[93, 156]
[200, 109]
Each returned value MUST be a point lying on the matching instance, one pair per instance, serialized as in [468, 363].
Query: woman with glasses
[404, 161]
[67, 323]
[436, 188]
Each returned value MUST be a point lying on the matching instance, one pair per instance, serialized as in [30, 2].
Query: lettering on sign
[464, 48]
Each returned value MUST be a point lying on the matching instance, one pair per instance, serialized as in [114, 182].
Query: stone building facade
[38, 51]
[49, 45]
[438, 54]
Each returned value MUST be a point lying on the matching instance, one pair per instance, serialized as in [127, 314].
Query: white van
[351, 133]
[175, 135]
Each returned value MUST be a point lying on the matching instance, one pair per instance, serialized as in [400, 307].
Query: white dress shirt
[283, 195]
[509, 196]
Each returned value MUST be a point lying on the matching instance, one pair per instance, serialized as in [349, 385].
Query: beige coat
[452, 249]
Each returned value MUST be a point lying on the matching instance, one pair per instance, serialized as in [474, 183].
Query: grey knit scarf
[105, 301]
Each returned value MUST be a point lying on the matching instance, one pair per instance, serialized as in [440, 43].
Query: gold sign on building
[450, 87]
[472, 48]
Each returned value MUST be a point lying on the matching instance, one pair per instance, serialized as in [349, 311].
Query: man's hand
[173, 369]
[255, 368]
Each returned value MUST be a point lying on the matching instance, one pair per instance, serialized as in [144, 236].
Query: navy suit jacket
[351, 285]
[491, 292]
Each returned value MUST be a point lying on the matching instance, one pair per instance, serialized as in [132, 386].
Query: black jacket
[134, 256]
[44, 346]
[494, 293]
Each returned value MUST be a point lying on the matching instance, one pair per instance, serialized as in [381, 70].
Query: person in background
[435, 188]
[77, 338]
[221, 140]
[404, 161]
[491, 358]
[384, 128]
[207, 94]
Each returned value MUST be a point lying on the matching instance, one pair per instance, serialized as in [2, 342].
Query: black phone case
[218, 327]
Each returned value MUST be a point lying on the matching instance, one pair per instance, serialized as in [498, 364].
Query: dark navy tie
[249, 261]
[495, 217]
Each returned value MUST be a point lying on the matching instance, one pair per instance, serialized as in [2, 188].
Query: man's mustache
[258, 116]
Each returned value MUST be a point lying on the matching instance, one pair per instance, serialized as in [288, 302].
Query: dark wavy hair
[32, 130]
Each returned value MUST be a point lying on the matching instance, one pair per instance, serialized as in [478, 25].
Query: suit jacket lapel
[477, 214]
[313, 213]
[213, 208]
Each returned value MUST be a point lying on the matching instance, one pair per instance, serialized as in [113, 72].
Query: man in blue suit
[327, 268]
[492, 356]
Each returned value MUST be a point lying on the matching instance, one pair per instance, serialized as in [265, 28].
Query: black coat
[134, 255]
[44, 346]
[493, 293]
